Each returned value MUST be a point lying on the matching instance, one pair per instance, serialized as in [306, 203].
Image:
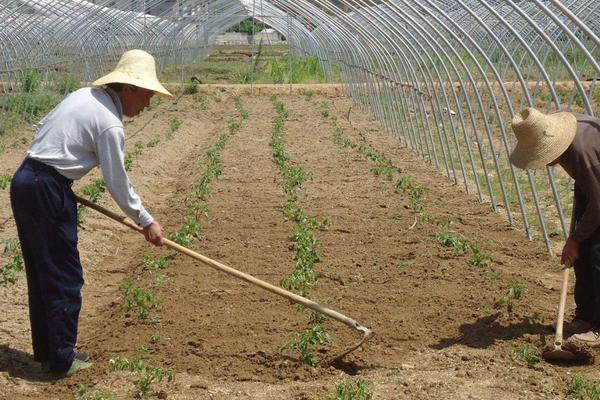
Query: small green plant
[154, 103]
[583, 389]
[302, 343]
[128, 161]
[240, 107]
[148, 375]
[94, 190]
[515, 291]
[139, 299]
[174, 124]
[155, 337]
[4, 181]
[402, 264]
[479, 257]
[9, 271]
[531, 322]
[448, 239]
[201, 100]
[81, 214]
[308, 94]
[191, 87]
[387, 171]
[405, 182]
[358, 390]
[84, 393]
[416, 198]
[493, 276]
[151, 262]
[138, 148]
[153, 142]
[186, 234]
[159, 279]
[525, 354]
[325, 112]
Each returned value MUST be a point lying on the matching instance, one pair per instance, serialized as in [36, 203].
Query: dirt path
[438, 331]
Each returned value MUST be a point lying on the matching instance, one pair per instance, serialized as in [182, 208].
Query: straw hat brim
[146, 83]
[564, 128]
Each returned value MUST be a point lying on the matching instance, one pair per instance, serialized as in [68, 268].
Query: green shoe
[78, 365]
[81, 356]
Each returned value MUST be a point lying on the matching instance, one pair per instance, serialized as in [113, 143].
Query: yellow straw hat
[136, 67]
[541, 138]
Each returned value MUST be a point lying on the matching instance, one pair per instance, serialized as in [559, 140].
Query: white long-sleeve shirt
[86, 130]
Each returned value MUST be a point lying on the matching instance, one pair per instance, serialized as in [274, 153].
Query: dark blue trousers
[45, 212]
[587, 280]
[587, 270]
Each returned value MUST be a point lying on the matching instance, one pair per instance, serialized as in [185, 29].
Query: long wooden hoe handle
[367, 333]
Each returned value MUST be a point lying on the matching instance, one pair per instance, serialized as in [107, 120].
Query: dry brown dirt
[438, 333]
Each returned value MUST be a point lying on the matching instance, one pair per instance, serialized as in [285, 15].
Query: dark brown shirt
[581, 161]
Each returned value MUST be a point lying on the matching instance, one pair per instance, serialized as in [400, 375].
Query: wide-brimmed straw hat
[136, 67]
[541, 138]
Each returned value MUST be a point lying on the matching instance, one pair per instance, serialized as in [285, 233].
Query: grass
[266, 67]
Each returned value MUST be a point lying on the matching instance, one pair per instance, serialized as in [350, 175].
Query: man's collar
[115, 98]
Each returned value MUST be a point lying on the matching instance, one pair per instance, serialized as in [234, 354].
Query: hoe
[366, 332]
[567, 352]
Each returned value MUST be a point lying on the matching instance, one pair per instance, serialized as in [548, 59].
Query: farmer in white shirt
[83, 131]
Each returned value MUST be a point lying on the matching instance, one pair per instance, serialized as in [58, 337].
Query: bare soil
[438, 331]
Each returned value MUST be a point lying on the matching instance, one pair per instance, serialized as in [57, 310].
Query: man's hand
[154, 234]
[570, 252]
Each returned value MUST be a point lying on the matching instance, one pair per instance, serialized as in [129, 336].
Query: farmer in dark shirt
[572, 141]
